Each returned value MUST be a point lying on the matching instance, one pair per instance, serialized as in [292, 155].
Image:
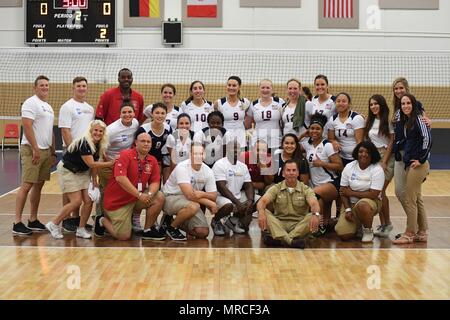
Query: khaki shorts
[72, 182]
[344, 226]
[389, 171]
[175, 203]
[121, 218]
[34, 173]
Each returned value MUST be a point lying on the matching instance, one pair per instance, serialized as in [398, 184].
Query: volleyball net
[359, 73]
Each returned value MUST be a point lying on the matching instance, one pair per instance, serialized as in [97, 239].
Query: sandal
[421, 237]
[404, 239]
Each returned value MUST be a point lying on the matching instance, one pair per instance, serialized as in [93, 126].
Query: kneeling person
[127, 191]
[236, 193]
[185, 196]
[291, 220]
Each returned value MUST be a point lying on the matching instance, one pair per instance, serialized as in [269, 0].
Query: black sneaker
[271, 242]
[153, 234]
[298, 243]
[36, 225]
[175, 234]
[69, 226]
[89, 226]
[20, 228]
[99, 231]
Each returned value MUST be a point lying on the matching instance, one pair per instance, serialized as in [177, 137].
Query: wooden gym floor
[233, 267]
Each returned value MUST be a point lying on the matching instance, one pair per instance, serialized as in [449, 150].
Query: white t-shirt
[324, 150]
[362, 180]
[120, 137]
[183, 173]
[43, 116]
[379, 140]
[235, 175]
[171, 117]
[345, 132]
[213, 146]
[181, 149]
[234, 118]
[267, 121]
[198, 115]
[75, 116]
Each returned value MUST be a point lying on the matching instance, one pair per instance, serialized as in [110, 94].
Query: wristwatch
[348, 210]
[317, 214]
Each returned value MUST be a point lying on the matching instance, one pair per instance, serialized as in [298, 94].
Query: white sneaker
[83, 233]
[55, 230]
[255, 214]
[387, 228]
[367, 235]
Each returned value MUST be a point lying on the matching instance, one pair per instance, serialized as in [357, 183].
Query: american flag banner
[342, 9]
[338, 14]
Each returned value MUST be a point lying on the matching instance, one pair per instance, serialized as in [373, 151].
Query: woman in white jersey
[380, 132]
[179, 142]
[324, 166]
[168, 92]
[293, 112]
[196, 106]
[346, 128]
[265, 114]
[233, 108]
[322, 103]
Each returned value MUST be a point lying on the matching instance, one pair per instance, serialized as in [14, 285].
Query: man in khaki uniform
[291, 220]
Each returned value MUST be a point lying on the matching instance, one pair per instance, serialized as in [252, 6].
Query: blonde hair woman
[75, 170]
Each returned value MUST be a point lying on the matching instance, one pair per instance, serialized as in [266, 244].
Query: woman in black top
[75, 173]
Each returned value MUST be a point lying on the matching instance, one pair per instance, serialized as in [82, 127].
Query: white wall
[292, 28]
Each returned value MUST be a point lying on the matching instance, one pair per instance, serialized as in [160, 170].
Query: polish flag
[202, 8]
[341, 9]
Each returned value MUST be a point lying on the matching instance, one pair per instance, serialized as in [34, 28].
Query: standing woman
[78, 166]
[168, 92]
[417, 145]
[293, 112]
[324, 166]
[346, 128]
[196, 106]
[380, 132]
[322, 103]
[233, 108]
[400, 86]
[290, 150]
[265, 114]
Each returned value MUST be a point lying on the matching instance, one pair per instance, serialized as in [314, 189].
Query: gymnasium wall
[280, 28]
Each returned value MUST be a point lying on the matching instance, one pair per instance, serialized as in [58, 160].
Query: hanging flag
[144, 8]
[341, 9]
[202, 8]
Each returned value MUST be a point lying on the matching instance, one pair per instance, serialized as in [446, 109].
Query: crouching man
[133, 187]
[292, 221]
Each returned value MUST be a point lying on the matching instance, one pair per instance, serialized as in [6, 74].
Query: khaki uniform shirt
[287, 205]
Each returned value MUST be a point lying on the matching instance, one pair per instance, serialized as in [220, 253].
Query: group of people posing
[283, 162]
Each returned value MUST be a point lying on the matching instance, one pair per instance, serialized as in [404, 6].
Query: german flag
[144, 8]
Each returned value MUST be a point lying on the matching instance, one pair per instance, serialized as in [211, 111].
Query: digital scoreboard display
[70, 22]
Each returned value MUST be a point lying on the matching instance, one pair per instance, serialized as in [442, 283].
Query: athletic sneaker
[166, 221]
[153, 234]
[99, 230]
[378, 230]
[385, 231]
[255, 214]
[175, 234]
[20, 228]
[218, 227]
[234, 224]
[83, 233]
[55, 230]
[36, 225]
[367, 235]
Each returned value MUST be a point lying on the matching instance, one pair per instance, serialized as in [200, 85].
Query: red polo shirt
[108, 108]
[129, 165]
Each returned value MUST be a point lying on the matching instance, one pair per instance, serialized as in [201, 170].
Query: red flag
[202, 8]
[341, 9]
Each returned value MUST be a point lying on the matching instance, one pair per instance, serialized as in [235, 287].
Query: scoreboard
[70, 22]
